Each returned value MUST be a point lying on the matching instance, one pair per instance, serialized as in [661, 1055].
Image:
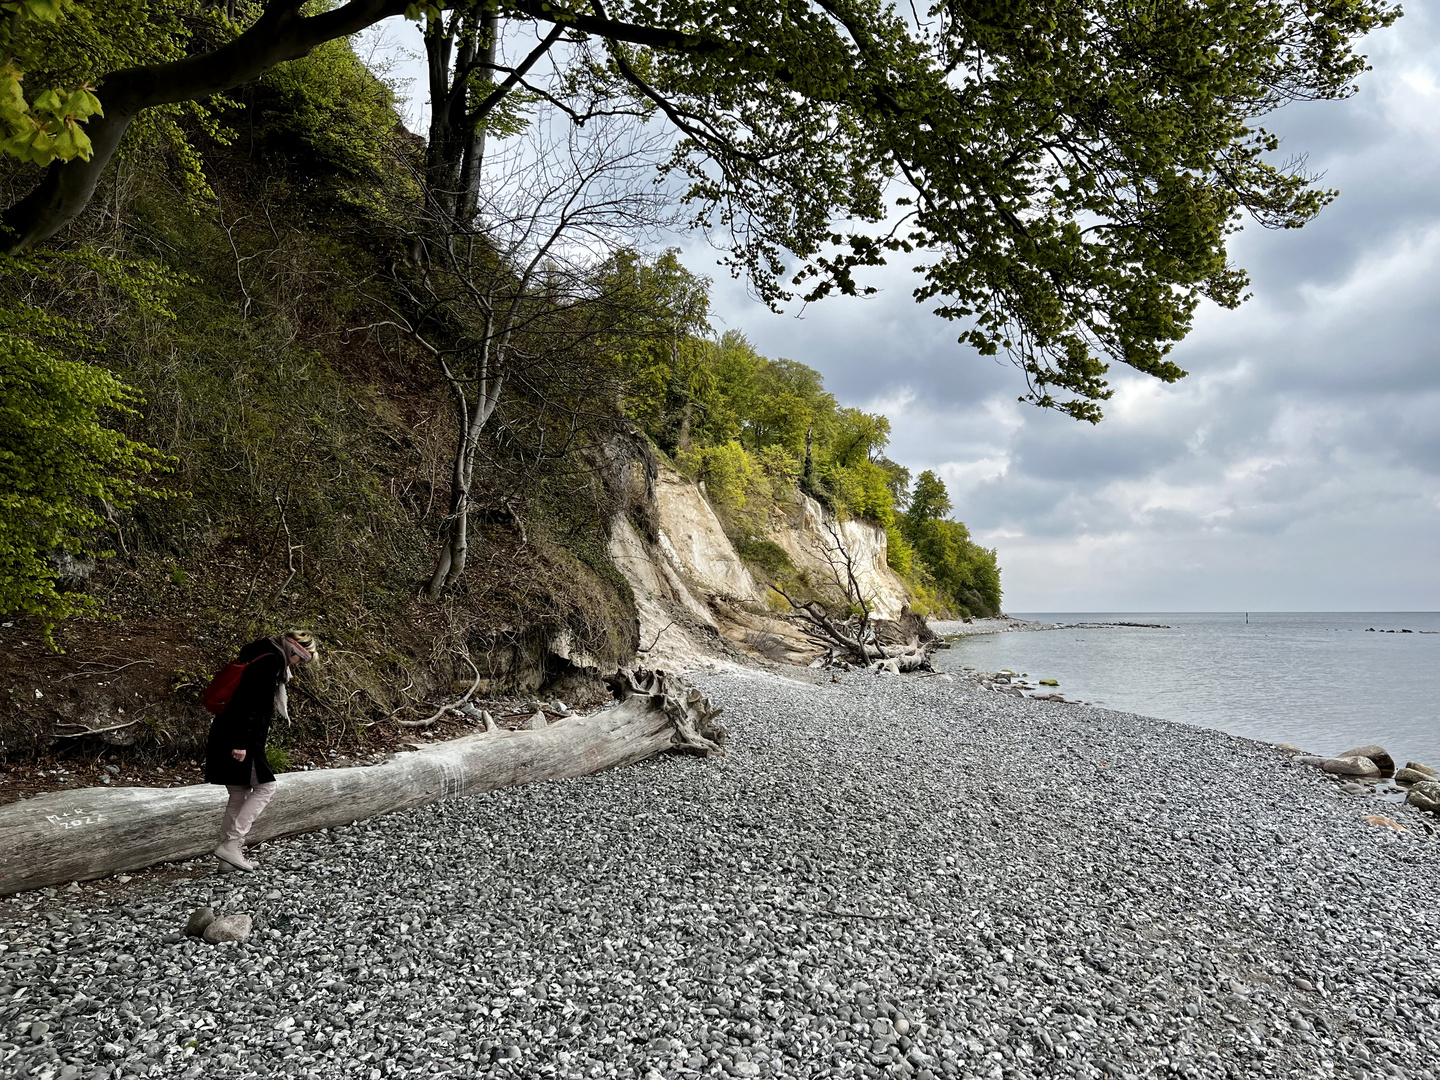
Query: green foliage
[657, 315]
[61, 465]
[1073, 192]
[68, 57]
[929, 500]
[333, 125]
[779, 468]
[767, 555]
[726, 471]
[47, 128]
[961, 571]
[1069, 198]
[861, 489]
[277, 758]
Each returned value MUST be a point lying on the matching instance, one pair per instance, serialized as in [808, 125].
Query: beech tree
[1064, 176]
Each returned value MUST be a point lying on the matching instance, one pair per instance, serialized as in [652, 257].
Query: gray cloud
[1299, 464]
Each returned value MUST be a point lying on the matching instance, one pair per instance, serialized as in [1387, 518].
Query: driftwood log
[94, 832]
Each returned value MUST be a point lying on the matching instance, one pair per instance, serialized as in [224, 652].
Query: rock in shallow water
[1376, 753]
[1349, 766]
[1408, 775]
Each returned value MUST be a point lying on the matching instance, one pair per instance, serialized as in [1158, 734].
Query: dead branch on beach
[850, 638]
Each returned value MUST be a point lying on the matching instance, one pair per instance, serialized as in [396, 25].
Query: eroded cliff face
[693, 540]
[816, 543]
[691, 586]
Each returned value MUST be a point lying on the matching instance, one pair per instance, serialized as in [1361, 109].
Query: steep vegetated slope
[248, 269]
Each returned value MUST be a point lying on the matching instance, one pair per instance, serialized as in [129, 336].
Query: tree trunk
[455, 50]
[442, 149]
[78, 835]
[472, 161]
[450, 561]
[455, 547]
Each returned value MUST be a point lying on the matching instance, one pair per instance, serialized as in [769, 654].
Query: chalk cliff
[691, 586]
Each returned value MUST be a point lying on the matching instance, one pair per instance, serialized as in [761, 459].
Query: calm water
[1314, 679]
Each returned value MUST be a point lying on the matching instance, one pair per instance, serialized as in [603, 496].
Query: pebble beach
[885, 877]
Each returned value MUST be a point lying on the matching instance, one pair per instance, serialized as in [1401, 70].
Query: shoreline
[948, 628]
[939, 876]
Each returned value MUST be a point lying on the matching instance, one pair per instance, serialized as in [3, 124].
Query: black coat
[245, 723]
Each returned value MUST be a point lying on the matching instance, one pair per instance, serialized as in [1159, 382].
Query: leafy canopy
[962, 570]
[48, 127]
[1063, 176]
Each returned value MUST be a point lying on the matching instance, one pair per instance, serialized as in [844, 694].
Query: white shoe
[230, 852]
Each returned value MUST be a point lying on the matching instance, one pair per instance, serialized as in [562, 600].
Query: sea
[1325, 681]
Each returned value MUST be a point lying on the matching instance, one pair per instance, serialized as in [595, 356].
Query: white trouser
[245, 805]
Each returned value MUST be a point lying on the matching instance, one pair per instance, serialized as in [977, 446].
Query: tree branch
[281, 33]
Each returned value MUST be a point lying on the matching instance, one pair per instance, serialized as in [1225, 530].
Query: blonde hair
[306, 640]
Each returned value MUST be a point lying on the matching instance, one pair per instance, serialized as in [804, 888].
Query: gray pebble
[897, 878]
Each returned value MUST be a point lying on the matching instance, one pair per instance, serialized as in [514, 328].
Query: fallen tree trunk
[78, 835]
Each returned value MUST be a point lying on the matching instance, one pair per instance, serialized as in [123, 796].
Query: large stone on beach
[1349, 766]
[1376, 753]
[199, 920]
[1434, 774]
[228, 928]
[1425, 796]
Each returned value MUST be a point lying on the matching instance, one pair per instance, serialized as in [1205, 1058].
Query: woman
[235, 750]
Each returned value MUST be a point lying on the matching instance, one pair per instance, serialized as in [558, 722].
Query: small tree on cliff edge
[1068, 173]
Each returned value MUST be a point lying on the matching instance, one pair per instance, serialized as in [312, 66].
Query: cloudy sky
[1297, 468]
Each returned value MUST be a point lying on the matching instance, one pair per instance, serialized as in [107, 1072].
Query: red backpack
[222, 688]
